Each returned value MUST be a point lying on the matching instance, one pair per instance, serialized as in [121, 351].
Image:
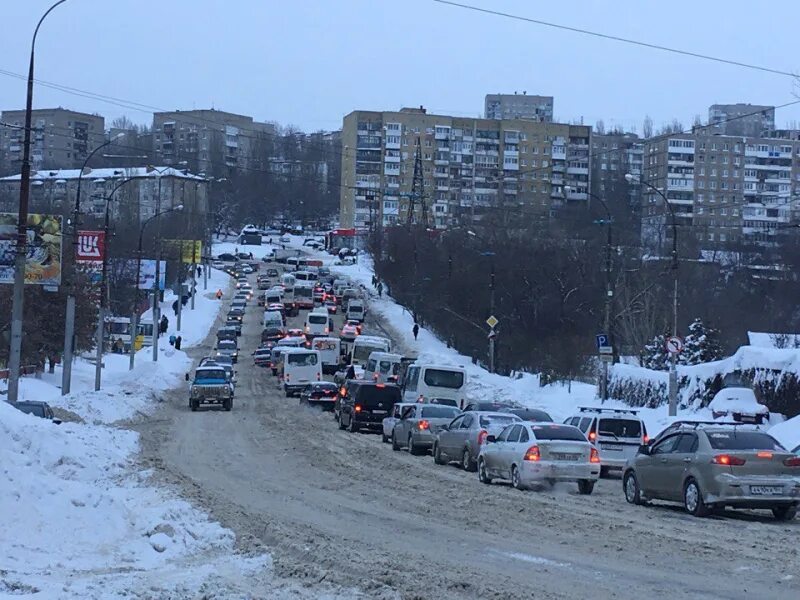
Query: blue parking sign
[602, 340]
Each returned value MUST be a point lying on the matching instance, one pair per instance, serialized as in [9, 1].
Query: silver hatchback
[711, 467]
[418, 425]
[462, 439]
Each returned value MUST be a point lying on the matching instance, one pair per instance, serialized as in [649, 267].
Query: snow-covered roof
[774, 340]
[106, 173]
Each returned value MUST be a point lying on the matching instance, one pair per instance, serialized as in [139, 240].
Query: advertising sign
[125, 270]
[190, 251]
[43, 260]
[91, 246]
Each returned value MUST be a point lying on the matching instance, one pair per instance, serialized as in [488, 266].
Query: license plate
[612, 447]
[766, 490]
[379, 412]
[564, 456]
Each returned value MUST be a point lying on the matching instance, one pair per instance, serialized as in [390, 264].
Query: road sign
[674, 344]
[603, 344]
[492, 321]
[607, 358]
[492, 334]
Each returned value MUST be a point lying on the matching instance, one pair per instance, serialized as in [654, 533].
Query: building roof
[107, 173]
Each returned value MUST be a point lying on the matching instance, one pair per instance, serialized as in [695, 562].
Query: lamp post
[492, 330]
[69, 325]
[135, 311]
[104, 287]
[21, 250]
[673, 369]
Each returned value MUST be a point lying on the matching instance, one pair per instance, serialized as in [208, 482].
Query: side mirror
[644, 449]
[490, 439]
[186, 376]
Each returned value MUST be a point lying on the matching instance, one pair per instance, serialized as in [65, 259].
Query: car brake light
[317, 376]
[533, 454]
[380, 385]
[728, 460]
[764, 454]
[594, 456]
[342, 391]
[482, 435]
[792, 462]
[423, 425]
[421, 398]
[645, 438]
[592, 436]
[357, 408]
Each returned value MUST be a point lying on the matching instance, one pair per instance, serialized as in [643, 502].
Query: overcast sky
[310, 62]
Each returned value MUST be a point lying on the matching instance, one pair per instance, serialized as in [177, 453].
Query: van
[329, 352]
[317, 323]
[287, 281]
[272, 318]
[617, 433]
[300, 367]
[355, 311]
[383, 367]
[347, 295]
[339, 286]
[424, 381]
[273, 297]
[305, 276]
[364, 345]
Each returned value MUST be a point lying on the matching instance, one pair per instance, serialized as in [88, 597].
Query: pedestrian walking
[172, 340]
[219, 294]
[351, 372]
[374, 280]
[178, 341]
[415, 330]
[164, 324]
[199, 271]
[175, 307]
[380, 289]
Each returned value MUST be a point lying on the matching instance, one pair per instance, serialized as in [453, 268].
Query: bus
[119, 328]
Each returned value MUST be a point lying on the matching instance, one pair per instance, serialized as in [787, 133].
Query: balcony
[391, 159]
[442, 133]
[577, 170]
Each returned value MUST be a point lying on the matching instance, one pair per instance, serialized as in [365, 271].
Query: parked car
[462, 439]
[418, 425]
[364, 405]
[227, 257]
[617, 433]
[529, 453]
[320, 393]
[389, 422]
[739, 404]
[37, 408]
[708, 467]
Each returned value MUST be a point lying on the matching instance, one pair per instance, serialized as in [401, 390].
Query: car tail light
[728, 460]
[342, 391]
[764, 454]
[792, 462]
[645, 438]
[482, 437]
[380, 385]
[423, 425]
[592, 436]
[318, 377]
[421, 398]
[533, 454]
[357, 408]
[375, 376]
[594, 456]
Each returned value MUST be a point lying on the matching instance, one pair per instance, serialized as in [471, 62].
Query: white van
[305, 276]
[300, 367]
[273, 297]
[317, 323]
[355, 311]
[364, 345]
[287, 281]
[383, 367]
[329, 351]
[425, 381]
[272, 318]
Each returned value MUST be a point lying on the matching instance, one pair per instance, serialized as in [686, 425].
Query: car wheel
[603, 472]
[227, 405]
[437, 455]
[193, 405]
[384, 438]
[351, 425]
[483, 475]
[693, 499]
[784, 513]
[412, 449]
[395, 445]
[630, 485]
[466, 462]
[585, 486]
[341, 422]
[516, 478]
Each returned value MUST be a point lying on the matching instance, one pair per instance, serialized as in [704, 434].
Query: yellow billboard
[190, 251]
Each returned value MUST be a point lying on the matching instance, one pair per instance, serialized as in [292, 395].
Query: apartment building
[722, 189]
[60, 138]
[613, 156]
[210, 140]
[518, 106]
[470, 167]
[751, 120]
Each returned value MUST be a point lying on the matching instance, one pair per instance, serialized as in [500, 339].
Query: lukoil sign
[91, 245]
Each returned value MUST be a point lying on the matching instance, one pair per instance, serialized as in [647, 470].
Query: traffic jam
[315, 346]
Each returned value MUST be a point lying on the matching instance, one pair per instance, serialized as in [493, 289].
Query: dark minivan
[364, 405]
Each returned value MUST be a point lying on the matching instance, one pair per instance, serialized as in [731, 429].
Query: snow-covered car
[285, 239]
[37, 408]
[739, 404]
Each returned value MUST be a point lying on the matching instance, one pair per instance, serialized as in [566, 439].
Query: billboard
[190, 251]
[91, 246]
[124, 269]
[43, 261]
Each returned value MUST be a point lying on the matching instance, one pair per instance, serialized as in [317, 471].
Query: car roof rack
[696, 424]
[608, 410]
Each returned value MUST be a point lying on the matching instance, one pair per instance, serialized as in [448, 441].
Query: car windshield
[224, 360]
[210, 374]
[385, 365]
[439, 412]
[620, 428]
[373, 394]
[444, 378]
[227, 345]
[321, 387]
[742, 440]
[32, 409]
[558, 432]
[495, 420]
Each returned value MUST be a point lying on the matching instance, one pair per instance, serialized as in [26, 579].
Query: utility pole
[417, 189]
[492, 333]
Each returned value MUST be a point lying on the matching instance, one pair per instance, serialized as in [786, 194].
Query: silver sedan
[530, 453]
[418, 425]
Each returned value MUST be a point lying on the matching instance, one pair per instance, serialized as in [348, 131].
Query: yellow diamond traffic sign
[492, 321]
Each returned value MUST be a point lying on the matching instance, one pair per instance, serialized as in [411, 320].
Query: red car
[331, 305]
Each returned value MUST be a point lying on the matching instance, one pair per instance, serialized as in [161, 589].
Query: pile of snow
[787, 433]
[773, 340]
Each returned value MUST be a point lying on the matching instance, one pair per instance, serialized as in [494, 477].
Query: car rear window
[302, 359]
[557, 432]
[443, 378]
[621, 428]
[439, 412]
[325, 386]
[318, 319]
[370, 395]
[495, 420]
[742, 440]
[529, 414]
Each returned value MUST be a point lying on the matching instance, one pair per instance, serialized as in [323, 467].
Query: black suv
[364, 405]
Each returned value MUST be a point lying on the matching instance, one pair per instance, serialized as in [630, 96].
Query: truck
[304, 294]
[211, 385]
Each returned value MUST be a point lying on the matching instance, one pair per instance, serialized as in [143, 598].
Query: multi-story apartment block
[470, 167]
[613, 156]
[750, 120]
[722, 189]
[518, 106]
[210, 140]
[60, 138]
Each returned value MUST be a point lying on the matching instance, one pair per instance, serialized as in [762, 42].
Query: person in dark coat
[380, 289]
[415, 330]
[351, 372]
[175, 307]
[163, 324]
[178, 343]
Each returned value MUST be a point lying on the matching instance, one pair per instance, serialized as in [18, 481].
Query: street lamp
[18, 302]
[69, 326]
[673, 357]
[135, 311]
[492, 331]
[104, 287]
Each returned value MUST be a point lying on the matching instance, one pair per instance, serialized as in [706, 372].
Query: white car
[739, 404]
[394, 417]
[285, 239]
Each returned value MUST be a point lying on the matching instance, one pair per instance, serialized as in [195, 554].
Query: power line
[616, 38]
